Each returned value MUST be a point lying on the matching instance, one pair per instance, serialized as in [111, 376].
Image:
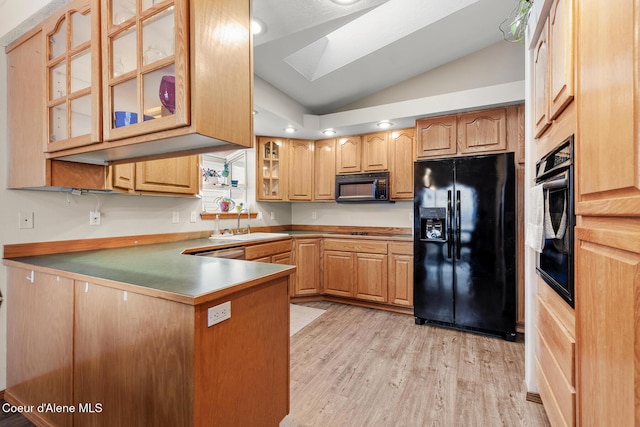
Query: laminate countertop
[160, 270]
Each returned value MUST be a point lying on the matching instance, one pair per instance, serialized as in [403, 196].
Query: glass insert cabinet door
[145, 58]
[73, 77]
[270, 158]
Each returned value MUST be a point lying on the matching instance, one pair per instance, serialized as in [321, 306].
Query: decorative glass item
[168, 93]
[514, 27]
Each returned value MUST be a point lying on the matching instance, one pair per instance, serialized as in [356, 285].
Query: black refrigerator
[465, 243]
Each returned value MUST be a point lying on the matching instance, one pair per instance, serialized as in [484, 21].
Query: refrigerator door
[485, 274]
[433, 248]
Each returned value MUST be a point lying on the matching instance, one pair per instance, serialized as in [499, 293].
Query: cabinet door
[375, 148]
[300, 159]
[371, 277]
[338, 273]
[482, 131]
[349, 154]
[73, 76]
[436, 137]
[324, 187]
[283, 258]
[607, 159]
[270, 173]
[178, 175]
[561, 54]
[145, 67]
[40, 337]
[541, 83]
[401, 164]
[608, 280]
[307, 257]
[123, 176]
[401, 280]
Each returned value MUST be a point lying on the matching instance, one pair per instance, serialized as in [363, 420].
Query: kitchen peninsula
[121, 335]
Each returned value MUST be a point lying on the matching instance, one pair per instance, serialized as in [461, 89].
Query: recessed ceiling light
[258, 27]
[345, 2]
[289, 129]
[329, 132]
[384, 124]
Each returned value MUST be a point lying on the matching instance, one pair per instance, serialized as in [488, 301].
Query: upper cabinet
[493, 130]
[401, 163]
[349, 154]
[324, 183]
[271, 176]
[177, 175]
[541, 83]
[72, 86]
[133, 79]
[145, 60]
[300, 155]
[561, 56]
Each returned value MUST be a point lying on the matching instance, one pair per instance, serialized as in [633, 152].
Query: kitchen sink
[250, 236]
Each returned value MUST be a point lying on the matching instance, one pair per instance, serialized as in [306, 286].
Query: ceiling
[326, 56]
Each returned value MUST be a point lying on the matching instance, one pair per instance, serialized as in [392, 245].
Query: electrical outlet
[218, 313]
[259, 216]
[94, 218]
[25, 220]
[194, 216]
[314, 215]
[273, 215]
[175, 218]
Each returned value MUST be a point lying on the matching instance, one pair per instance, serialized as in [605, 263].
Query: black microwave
[362, 187]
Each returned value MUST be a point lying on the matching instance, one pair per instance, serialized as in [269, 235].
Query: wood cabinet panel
[338, 275]
[436, 136]
[355, 245]
[607, 313]
[541, 120]
[559, 341]
[401, 164]
[561, 56]
[374, 151]
[271, 171]
[123, 176]
[307, 261]
[551, 405]
[180, 175]
[253, 252]
[400, 279]
[284, 258]
[482, 131]
[371, 277]
[40, 337]
[607, 160]
[349, 154]
[300, 155]
[324, 185]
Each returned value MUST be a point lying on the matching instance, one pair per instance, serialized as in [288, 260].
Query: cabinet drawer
[556, 409]
[267, 249]
[401, 248]
[352, 245]
[560, 342]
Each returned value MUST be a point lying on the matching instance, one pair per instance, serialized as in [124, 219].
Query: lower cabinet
[338, 274]
[306, 254]
[401, 274]
[278, 252]
[40, 333]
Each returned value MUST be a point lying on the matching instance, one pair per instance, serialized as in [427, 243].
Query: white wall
[357, 215]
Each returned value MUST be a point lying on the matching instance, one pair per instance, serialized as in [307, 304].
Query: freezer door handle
[458, 224]
[449, 222]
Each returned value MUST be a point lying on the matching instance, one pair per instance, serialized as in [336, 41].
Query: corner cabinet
[271, 172]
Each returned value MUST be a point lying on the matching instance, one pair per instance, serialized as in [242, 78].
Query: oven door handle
[559, 182]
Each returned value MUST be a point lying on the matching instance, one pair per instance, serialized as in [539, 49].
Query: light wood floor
[359, 367]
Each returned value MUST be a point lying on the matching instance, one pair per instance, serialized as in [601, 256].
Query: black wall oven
[555, 263]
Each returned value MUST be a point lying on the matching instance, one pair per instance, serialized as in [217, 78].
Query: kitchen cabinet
[401, 274]
[324, 184]
[147, 98]
[482, 131]
[349, 154]
[178, 175]
[436, 137]
[301, 162]
[401, 164]
[277, 252]
[362, 153]
[607, 271]
[496, 130]
[28, 166]
[355, 268]
[73, 92]
[541, 120]
[270, 169]
[307, 260]
[561, 56]
[40, 333]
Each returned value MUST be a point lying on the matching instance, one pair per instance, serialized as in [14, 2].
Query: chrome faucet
[248, 220]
